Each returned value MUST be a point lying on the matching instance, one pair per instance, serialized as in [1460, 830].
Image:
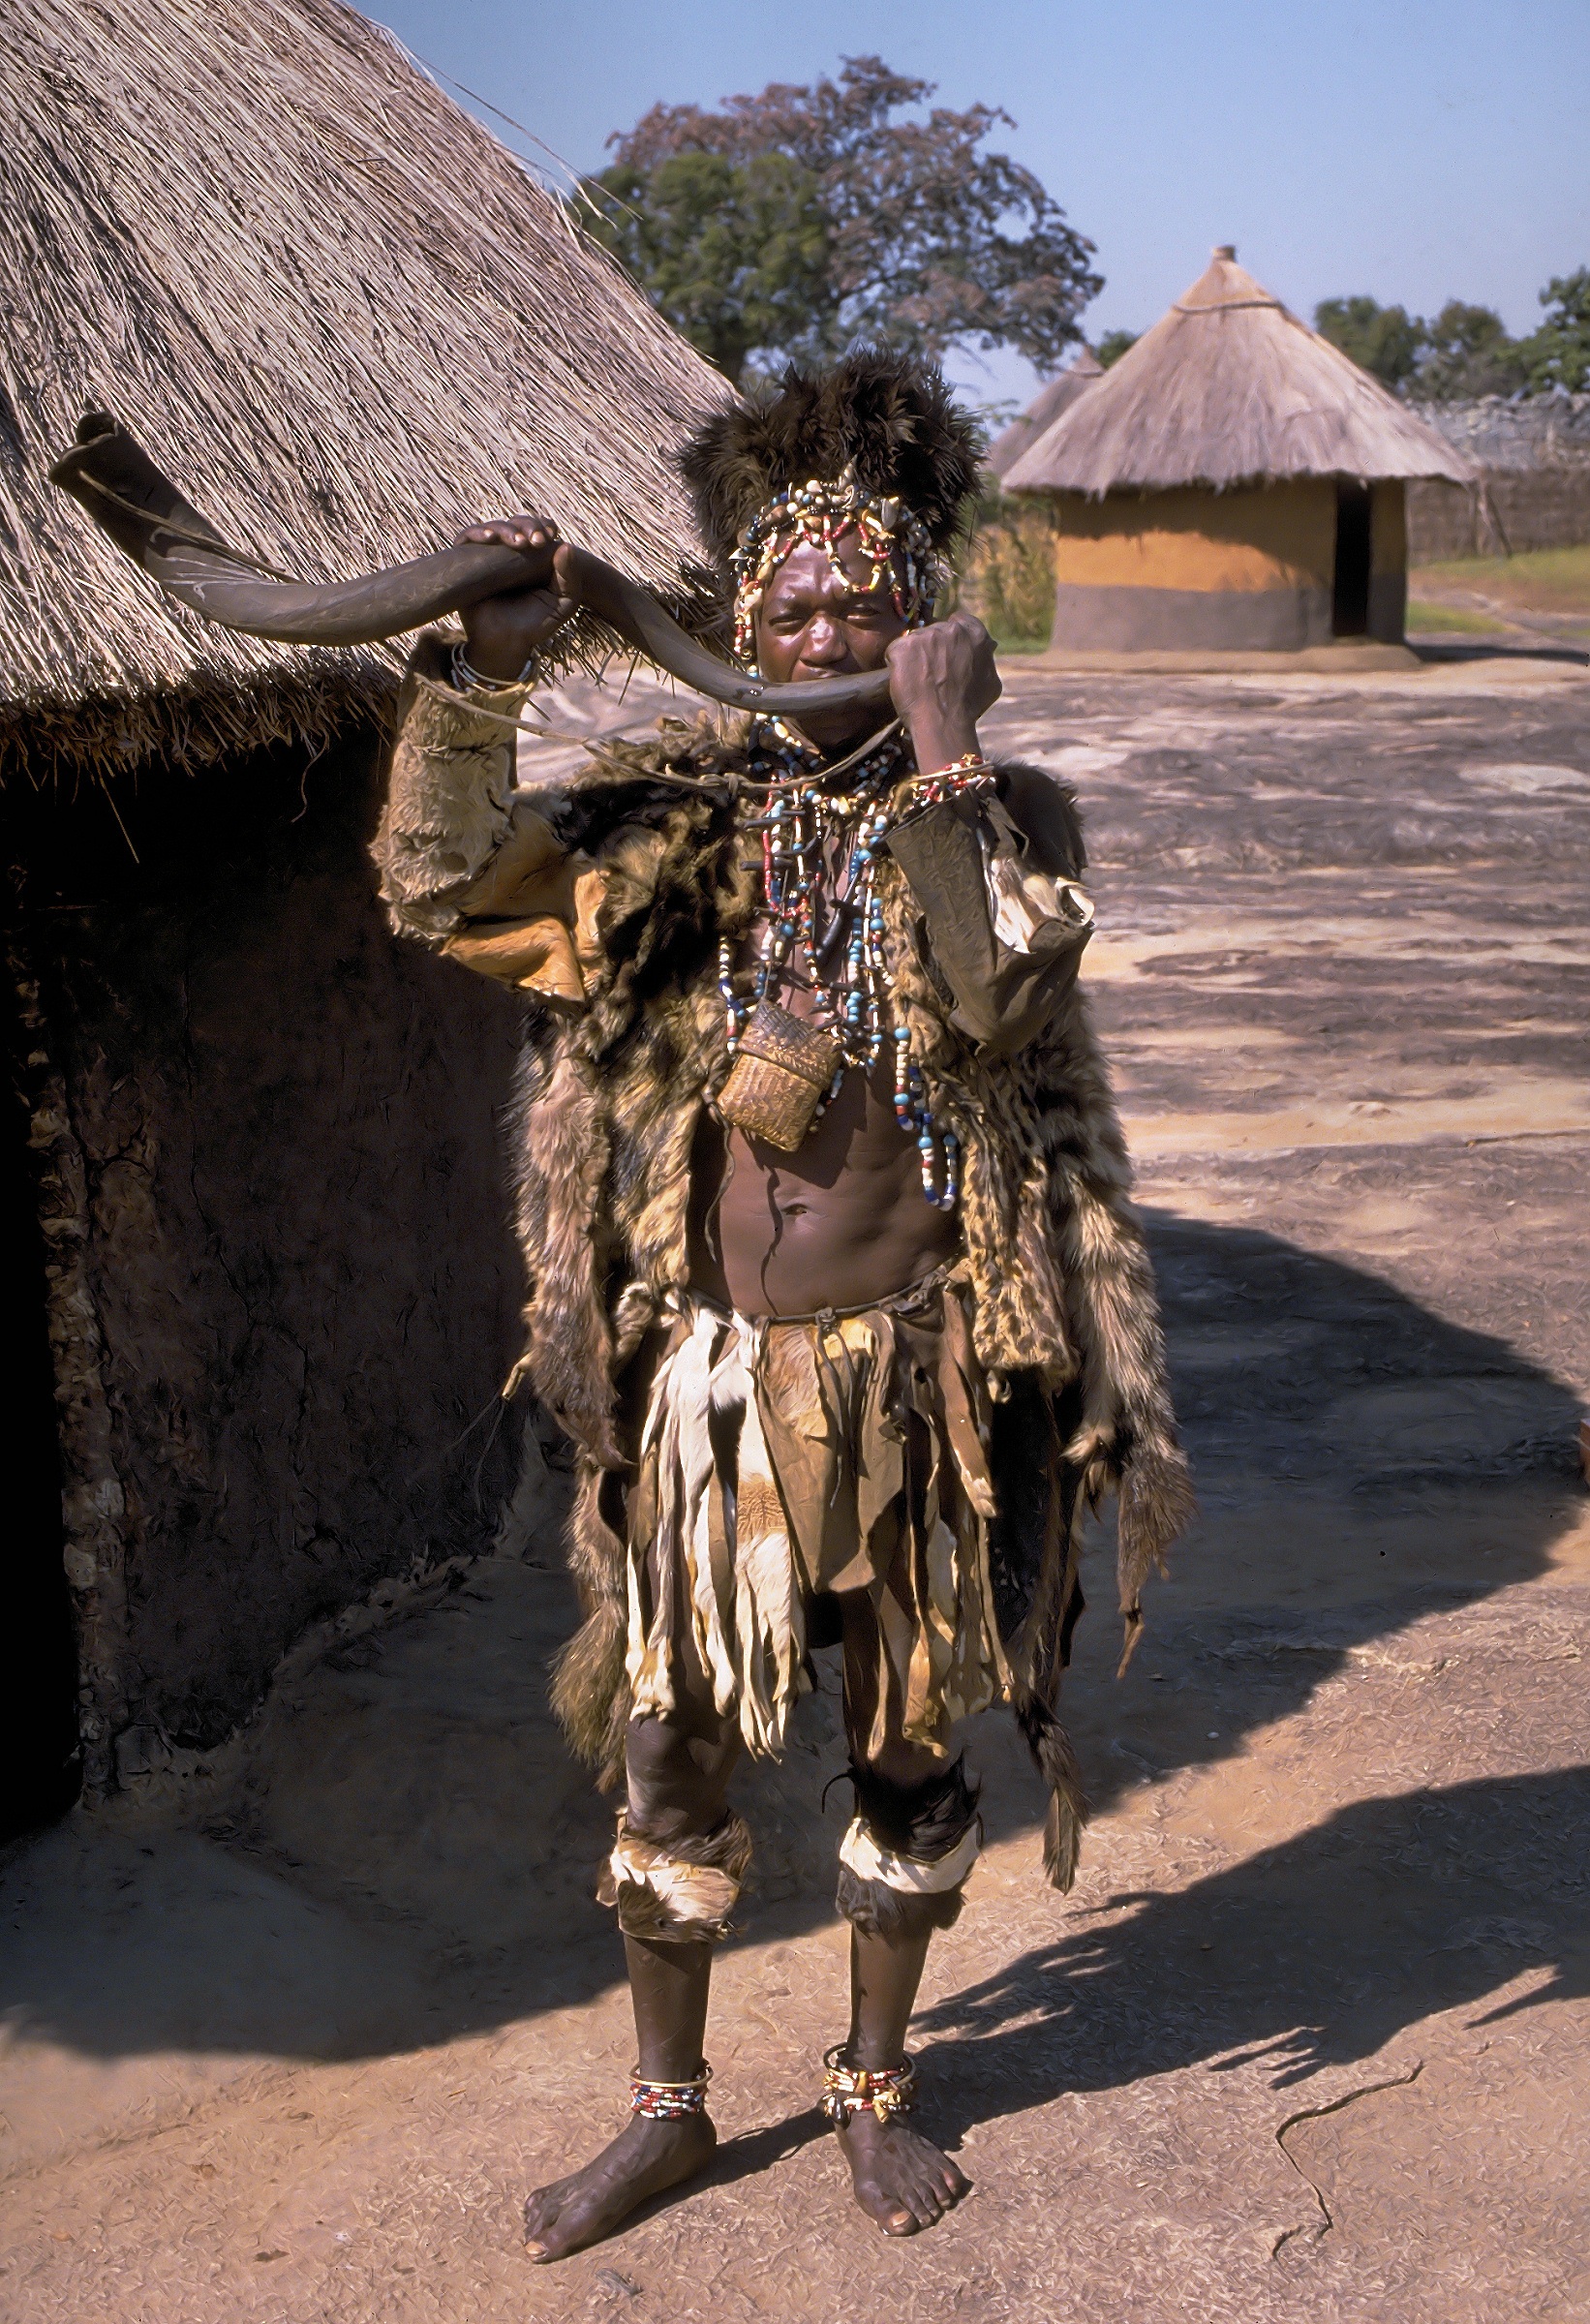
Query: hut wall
[1195, 568]
[283, 1288]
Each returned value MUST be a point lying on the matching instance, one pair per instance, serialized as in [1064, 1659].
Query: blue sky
[1414, 150]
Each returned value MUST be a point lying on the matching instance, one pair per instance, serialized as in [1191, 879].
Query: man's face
[815, 623]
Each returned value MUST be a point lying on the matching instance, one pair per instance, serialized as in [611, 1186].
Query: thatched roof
[1231, 388]
[335, 310]
[1054, 396]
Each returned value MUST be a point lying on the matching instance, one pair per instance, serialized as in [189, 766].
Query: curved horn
[143, 512]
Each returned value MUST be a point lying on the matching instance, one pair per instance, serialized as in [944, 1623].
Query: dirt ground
[290, 2037]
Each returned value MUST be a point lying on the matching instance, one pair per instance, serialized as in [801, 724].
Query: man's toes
[540, 2210]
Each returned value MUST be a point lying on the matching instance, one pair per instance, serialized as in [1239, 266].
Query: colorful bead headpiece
[896, 543]
[886, 453]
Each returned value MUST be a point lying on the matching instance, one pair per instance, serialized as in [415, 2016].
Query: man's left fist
[945, 672]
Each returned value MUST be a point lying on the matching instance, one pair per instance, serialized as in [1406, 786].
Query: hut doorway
[1350, 585]
[39, 1764]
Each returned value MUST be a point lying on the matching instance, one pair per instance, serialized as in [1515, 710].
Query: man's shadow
[1301, 1382]
[1310, 1954]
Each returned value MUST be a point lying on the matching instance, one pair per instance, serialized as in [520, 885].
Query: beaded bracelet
[467, 679]
[881, 2090]
[670, 2101]
[971, 776]
[970, 762]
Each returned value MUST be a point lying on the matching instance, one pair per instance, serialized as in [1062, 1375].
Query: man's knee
[680, 1858]
[906, 1860]
[675, 1780]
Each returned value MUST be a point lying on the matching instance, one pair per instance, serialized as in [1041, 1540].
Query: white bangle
[468, 680]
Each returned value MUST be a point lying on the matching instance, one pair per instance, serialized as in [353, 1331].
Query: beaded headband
[893, 540]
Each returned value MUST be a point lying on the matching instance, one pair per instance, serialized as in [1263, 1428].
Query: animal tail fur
[1068, 1808]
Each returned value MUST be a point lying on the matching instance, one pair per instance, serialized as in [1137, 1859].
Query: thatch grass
[1227, 388]
[1055, 396]
[337, 311]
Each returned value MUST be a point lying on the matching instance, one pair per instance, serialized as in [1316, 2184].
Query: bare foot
[900, 2178]
[644, 2159]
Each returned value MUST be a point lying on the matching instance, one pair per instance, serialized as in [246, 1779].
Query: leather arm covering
[1004, 997]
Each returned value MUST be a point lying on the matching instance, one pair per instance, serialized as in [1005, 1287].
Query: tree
[1113, 344]
[1383, 340]
[1468, 352]
[794, 223]
[735, 254]
[1558, 353]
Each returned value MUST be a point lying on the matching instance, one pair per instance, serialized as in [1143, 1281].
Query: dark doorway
[40, 1768]
[1350, 588]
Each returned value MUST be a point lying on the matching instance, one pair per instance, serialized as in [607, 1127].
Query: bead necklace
[804, 830]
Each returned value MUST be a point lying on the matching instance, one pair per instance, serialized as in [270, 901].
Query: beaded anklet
[882, 2091]
[670, 2101]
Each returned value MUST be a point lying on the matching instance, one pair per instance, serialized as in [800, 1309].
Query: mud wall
[284, 1293]
[1195, 568]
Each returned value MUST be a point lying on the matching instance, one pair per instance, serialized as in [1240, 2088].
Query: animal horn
[143, 513]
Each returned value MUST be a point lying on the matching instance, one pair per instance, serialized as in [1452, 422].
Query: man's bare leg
[677, 1783]
[668, 1984]
[900, 2179]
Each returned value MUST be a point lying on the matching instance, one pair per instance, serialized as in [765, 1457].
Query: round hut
[267, 1293]
[1057, 395]
[1232, 482]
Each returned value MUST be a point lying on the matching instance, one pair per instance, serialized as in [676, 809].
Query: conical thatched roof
[1231, 388]
[1057, 395]
[335, 310]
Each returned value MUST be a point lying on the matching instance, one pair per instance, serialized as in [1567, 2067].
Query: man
[833, 1282]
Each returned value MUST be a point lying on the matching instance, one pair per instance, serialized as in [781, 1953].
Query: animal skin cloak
[605, 899]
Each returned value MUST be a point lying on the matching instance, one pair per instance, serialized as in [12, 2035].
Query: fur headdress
[885, 415]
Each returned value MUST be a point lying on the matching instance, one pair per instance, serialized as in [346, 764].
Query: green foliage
[734, 253]
[1007, 571]
[1558, 353]
[1113, 344]
[794, 223]
[1466, 350]
[1383, 341]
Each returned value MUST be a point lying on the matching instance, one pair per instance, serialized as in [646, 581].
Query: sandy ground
[289, 2037]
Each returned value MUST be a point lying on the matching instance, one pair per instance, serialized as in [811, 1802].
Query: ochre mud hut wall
[282, 1292]
[1255, 566]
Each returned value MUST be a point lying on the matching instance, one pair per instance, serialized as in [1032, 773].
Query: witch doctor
[834, 1283]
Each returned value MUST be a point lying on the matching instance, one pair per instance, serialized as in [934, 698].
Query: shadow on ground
[407, 1852]
[1312, 1954]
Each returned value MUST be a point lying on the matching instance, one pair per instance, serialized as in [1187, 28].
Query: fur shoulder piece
[647, 779]
[885, 413]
